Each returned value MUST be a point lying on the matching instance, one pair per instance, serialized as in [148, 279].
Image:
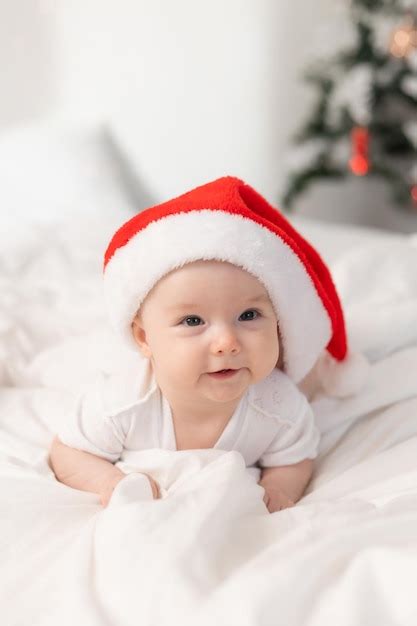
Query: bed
[208, 552]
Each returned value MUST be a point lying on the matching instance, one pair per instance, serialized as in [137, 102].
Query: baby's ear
[139, 336]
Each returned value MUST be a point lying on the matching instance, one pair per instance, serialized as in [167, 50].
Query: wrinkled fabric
[208, 551]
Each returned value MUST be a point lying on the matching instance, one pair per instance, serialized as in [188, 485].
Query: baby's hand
[155, 487]
[107, 492]
[275, 498]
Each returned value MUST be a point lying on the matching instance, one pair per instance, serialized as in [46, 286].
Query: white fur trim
[343, 378]
[175, 240]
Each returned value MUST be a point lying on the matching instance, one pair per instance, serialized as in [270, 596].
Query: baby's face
[205, 317]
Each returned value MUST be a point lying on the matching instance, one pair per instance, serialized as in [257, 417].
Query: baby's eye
[253, 314]
[193, 318]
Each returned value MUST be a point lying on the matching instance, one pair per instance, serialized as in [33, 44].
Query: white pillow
[377, 284]
[62, 196]
[57, 169]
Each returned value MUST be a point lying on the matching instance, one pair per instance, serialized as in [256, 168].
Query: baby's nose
[225, 340]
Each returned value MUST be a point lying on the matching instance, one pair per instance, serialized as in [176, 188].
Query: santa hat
[227, 220]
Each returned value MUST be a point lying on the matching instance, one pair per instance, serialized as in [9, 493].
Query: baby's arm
[87, 472]
[286, 484]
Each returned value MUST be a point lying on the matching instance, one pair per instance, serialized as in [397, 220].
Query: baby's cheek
[271, 355]
[176, 359]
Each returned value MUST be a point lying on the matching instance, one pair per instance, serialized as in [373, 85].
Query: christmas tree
[364, 122]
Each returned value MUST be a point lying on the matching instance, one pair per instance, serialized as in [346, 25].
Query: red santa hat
[227, 220]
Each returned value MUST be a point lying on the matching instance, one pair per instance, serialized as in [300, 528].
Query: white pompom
[343, 378]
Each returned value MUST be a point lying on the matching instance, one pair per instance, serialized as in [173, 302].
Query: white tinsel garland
[354, 92]
[383, 27]
[385, 75]
[337, 29]
[409, 86]
[306, 155]
[410, 131]
[341, 153]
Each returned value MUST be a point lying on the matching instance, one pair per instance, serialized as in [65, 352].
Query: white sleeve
[297, 436]
[88, 428]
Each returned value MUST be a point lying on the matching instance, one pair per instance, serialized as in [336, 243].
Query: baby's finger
[157, 490]
[155, 487]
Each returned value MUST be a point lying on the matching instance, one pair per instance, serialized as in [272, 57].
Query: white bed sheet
[208, 552]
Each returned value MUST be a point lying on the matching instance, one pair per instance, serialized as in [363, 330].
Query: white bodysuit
[123, 413]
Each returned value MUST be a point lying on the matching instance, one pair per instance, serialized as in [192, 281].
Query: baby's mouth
[223, 373]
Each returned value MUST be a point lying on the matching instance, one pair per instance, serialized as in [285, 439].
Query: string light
[404, 39]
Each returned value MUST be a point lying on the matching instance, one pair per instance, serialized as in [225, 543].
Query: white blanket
[209, 552]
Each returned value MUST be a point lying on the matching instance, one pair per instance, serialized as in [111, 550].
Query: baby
[230, 308]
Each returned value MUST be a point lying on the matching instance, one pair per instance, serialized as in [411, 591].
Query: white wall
[29, 72]
[194, 89]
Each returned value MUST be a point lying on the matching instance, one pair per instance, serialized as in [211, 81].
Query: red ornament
[359, 162]
[413, 193]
